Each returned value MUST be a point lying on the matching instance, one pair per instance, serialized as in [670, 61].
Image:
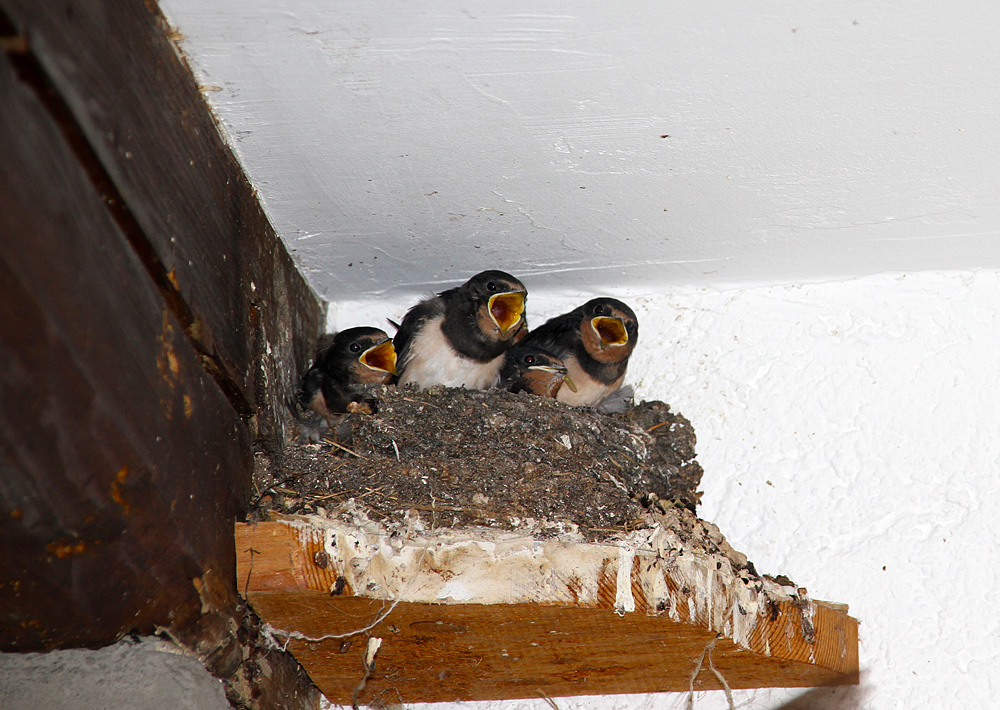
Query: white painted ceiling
[402, 146]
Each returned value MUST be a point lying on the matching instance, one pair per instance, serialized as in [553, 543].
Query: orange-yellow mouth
[506, 309]
[611, 330]
[381, 357]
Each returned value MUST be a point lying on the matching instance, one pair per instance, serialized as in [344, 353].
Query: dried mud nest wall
[468, 457]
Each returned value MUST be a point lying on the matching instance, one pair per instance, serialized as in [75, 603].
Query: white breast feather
[434, 362]
[589, 392]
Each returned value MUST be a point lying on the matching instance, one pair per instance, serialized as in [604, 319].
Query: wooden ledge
[488, 614]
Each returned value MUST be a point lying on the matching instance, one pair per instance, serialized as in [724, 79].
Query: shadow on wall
[844, 697]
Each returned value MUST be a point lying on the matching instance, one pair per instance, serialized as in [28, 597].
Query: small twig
[396, 449]
[725, 685]
[614, 480]
[344, 448]
[707, 654]
[246, 587]
[326, 637]
[441, 508]
[551, 703]
[694, 674]
[338, 494]
[289, 635]
[636, 523]
[417, 401]
[358, 688]
[656, 426]
[369, 664]
[369, 491]
[632, 460]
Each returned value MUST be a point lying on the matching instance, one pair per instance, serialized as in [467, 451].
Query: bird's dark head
[367, 352]
[499, 300]
[609, 329]
[531, 369]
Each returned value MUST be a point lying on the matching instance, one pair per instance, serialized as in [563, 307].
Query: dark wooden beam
[152, 328]
[179, 196]
[114, 441]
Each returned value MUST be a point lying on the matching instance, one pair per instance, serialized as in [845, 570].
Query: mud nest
[469, 457]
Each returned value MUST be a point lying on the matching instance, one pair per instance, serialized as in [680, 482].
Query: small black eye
[599, 309]
[529, 359]
[355, 348]
[491, 287]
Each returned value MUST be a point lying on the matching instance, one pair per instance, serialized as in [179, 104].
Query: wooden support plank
[113, 439]
[179, 196]
[556, 620]
[457, 652]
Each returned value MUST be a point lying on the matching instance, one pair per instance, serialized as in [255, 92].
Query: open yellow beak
[506, 309]
[380, 357]
[611, 330]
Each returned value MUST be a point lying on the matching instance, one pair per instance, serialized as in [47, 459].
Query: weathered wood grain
[179, 196]
[563, 642]
[151, 329]
[113, 440]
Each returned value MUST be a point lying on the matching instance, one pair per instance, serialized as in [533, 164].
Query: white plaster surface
[148, 675]
[850, 436]
[403, 145]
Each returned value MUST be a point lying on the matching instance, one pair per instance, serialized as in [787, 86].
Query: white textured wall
[398, 144]
[850, 435]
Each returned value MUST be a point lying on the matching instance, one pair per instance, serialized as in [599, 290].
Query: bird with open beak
[458, 338]
[531, 369]
[356, 356]
[594, 342]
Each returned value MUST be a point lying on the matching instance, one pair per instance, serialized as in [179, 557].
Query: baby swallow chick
[458, 338]
[356, 356]
[594, 342]
[530, 369]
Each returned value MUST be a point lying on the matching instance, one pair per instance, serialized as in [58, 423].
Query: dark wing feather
[557, 335]
[338, 395]
[414, 320]
[311, 384]
[511, 369]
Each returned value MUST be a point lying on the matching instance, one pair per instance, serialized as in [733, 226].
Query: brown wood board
[179, 196]
[121, 463]
[125, 442]
[472, 651]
